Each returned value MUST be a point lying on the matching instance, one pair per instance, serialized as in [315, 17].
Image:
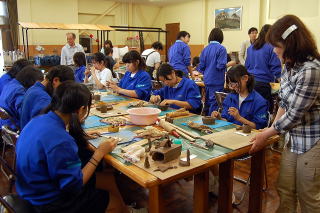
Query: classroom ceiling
[155, 2]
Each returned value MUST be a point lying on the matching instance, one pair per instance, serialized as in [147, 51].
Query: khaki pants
[299, 179]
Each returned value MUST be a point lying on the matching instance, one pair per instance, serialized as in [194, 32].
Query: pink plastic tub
[143, 115]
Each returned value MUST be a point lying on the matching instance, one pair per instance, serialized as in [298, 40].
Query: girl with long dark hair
[52, 173]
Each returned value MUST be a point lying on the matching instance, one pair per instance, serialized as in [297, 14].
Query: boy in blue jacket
[179, 54]
[38, 97]
[245, 106]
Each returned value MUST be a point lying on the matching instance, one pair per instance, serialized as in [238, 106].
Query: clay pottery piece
[97, 97]
[246, 128]
[113, 129]
[168, 119]
[103, 108]
[164, 107]
[208, 120]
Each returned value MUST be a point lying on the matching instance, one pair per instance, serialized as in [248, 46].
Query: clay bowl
[208, 120]
[104, 108]
[164, 107]
[143, 115]
[246, 128]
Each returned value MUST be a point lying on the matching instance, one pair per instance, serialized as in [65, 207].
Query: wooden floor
[179, 196]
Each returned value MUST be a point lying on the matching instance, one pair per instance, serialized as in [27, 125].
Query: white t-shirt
[153, 58]
[103, 76]
[67, 53]
[241, 99]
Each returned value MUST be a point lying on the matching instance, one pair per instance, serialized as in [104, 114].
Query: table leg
[225, 187]
[200, 192]
[156, 203]
[256, 182]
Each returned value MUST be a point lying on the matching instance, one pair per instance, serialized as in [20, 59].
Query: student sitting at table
[179, 91]
[39, 95]
[136, 82]
[245, 106]
[79, 60]
[11, 74]
[100, 74]
[11, 98]
[57, 178]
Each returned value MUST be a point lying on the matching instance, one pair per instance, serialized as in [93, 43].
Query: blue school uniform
[263, 64]
[180, 56]
[186, 90]
[213, 60]
[47, 161]
[35, 100]
[254, 108]
[4, 80]
[79, 74]
[11, 100]
[140, 83]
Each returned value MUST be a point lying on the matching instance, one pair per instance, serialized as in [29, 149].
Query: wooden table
[201, 181]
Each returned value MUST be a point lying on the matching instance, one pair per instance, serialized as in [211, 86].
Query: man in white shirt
[70, 49]
[152, 57]
[253, 32]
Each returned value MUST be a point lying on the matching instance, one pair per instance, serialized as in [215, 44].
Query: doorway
[173, 29]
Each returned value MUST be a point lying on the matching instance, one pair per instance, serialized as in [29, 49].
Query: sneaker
[141, 210]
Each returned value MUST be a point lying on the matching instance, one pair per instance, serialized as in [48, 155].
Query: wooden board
[229, 139]
[195, 162]
[111, 113]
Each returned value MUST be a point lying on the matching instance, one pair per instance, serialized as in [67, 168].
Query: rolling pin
[166, 126]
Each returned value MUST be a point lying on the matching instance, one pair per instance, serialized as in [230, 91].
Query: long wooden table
[201, 180]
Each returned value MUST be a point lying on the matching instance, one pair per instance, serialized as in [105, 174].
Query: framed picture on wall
[228, 18]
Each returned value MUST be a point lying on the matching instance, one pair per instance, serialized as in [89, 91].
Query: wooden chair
[9, 140]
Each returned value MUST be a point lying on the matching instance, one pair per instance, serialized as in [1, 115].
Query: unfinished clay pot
[103, 108]
[164, 107]
[168, 119]
[166, 154]
[97, 97]
[246, 128]
[113, 129]
[208, 120]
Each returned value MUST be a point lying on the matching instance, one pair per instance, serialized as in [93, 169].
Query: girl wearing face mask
[179, 91]
[245, 106]
[136, 82]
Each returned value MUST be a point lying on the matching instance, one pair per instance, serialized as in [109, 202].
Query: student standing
[213, 60]
[70, 49]
[56, 178]
[100, 74]
[136, 82]
[298, 116]
[252, 32]
[152, 57]
[179, 54]
[80, 62]
[12, 97]
[263, 64]
[179, 91]
[38, 97]
[245, 106]
[11, 74]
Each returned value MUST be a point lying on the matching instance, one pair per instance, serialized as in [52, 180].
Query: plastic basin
[143, 115]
